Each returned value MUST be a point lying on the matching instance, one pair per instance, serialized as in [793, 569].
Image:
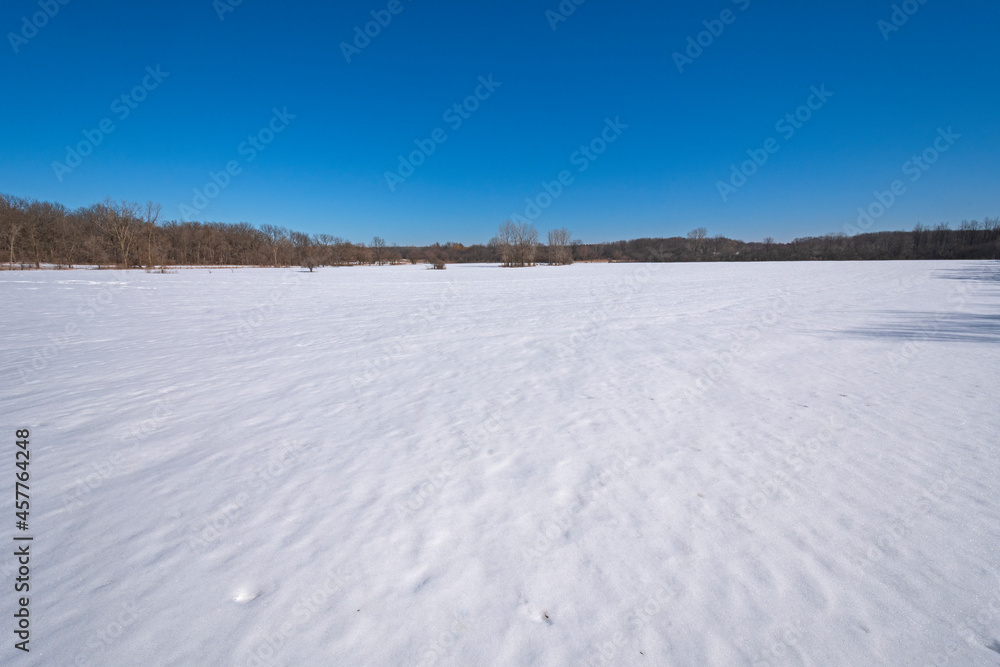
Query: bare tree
[504, 241]
[34, 233]
[68, 237]
[39, 219]
[324, 244]
[301, 243]
[697, 237]
[378, 250]
[312, 256]
[154, 253]
[308, 252]
[768, 247]
[527, 244]
[119, 221]
[343, 251]
[11, 222]
[277, 238]
[362, 254]
[517, 243]
[559, 247]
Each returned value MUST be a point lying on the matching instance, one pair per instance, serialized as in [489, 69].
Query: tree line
[128, 234]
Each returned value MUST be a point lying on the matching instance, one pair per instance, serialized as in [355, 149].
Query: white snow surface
[667, 464]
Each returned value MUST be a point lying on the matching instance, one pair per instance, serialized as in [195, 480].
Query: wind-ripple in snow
[595, 464]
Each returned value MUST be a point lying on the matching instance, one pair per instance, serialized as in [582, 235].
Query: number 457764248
[22, 458]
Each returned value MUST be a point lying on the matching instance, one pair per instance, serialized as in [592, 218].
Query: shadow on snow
[954, 327]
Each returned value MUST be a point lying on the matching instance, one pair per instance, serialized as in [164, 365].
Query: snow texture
[673, 464]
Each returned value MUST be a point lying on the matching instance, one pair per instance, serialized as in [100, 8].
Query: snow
[711, 464]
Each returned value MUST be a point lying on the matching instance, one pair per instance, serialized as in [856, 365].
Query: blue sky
[889, 93]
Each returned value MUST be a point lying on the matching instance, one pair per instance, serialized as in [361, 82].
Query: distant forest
[127, 234]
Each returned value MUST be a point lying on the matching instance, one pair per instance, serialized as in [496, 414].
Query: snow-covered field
[711, 464]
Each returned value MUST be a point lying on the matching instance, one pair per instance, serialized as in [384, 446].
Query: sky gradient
[258, 112]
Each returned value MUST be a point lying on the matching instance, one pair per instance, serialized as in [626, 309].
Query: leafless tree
[343, 252]
[34, 233]
[154, 253]
[697, 238]
[302, 244]
[378, 250]
[69, 235]
[119, 221]
[698, 234]
[559, 247]
[504, 241]
[312, 256]
[362, 254]
[324, 244]
[281, 245]
[11, 222]
[517, 243]
[527, 244]
[39, 223]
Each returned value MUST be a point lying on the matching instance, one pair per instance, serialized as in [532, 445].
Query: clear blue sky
[325, 171]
